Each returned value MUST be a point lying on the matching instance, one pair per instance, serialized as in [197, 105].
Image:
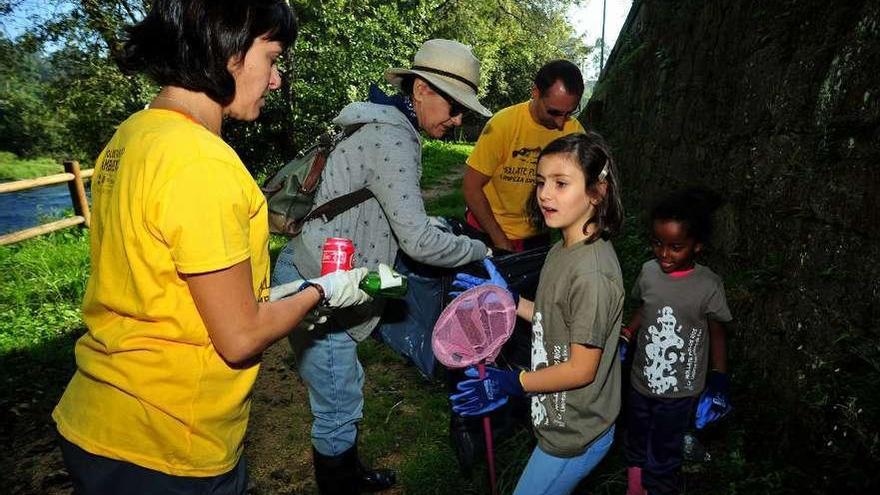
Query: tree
[28, 126]
[343, 47]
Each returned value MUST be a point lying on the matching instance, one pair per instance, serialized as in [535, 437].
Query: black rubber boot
[344, 474]
[466, 437]
[375, 480]
[337, 474]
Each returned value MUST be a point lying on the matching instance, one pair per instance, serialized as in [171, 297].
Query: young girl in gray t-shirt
[677, 331]
[574, 381]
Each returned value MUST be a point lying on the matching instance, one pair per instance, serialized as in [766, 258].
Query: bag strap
[331, 209]
[327, 142]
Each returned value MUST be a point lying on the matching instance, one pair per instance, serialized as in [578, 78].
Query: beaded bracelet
[323, 298]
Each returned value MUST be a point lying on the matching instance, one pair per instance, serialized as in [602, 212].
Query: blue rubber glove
[622, 349]
[464, 281]
[480, 396]
[626, 336]
[714, 402]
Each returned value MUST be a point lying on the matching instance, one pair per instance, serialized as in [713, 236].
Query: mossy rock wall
[776, 105]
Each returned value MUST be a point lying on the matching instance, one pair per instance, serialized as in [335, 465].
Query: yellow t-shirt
[507, 151]
[169, 197]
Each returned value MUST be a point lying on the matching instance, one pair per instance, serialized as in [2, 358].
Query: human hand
[341, 287]
[626, 336]
[464, 281]
[714, 402]
[284, 290]
[480, 396]
[622, 349]
[313, 319]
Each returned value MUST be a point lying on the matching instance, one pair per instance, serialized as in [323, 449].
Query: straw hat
[451, 67]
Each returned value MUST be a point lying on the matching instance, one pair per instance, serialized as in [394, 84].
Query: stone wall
[776, 105]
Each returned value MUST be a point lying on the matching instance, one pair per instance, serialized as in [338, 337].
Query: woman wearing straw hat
[383, 155]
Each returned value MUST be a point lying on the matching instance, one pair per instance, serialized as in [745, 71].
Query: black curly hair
[693, 208]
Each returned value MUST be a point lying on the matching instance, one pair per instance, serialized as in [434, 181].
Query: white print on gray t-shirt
[560, 355]
[659, 352]
[539, 358]
[691, 358]
[539, 354]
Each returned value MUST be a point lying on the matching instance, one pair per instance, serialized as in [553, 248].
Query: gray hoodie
[385, 156]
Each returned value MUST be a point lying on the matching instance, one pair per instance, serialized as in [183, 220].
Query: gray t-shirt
[579, 301]
[672, 350]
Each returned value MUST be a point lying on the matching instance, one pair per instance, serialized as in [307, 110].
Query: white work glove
[312, 319]
[284, 290]
[341, 287]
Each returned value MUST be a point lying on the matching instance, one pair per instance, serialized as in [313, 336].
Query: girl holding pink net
[574, 381]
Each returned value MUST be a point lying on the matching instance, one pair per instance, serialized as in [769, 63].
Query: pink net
[474, 326]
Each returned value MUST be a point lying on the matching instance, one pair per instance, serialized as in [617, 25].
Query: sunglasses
[559, 113]
[455, 108]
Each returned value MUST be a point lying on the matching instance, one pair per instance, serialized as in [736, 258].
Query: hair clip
[603, 173]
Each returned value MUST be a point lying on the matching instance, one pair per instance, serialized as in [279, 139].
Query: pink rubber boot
[634, 481]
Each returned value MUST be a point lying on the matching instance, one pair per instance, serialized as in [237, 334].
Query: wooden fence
[74, 178]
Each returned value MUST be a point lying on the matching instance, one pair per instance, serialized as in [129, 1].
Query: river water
[23, 209]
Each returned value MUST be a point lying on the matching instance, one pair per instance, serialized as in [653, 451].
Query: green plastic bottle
[384, 283]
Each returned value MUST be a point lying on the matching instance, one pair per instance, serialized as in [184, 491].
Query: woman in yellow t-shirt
[177, 304]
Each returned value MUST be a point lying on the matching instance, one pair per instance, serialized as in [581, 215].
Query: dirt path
[444, 185]
[30, 462]
[277, 442]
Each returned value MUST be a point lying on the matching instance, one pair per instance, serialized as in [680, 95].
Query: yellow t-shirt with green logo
[507, 151]
[169, 198]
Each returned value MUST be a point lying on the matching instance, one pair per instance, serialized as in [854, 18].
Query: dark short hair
[560, 70]
[407, 81]
[189, 43]
[589, 152]
[693, 208]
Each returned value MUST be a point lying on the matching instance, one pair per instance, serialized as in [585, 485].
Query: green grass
[439, 158]
[42, 282]
[15, 168]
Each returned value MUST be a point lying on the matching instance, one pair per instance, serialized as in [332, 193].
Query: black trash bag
[408, 323]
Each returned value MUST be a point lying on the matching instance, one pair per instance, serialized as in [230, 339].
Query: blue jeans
[327, 362]
[552, 475]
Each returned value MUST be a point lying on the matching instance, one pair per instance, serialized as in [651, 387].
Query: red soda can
[337, 254]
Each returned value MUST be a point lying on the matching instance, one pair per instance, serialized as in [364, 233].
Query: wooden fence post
[78, 192]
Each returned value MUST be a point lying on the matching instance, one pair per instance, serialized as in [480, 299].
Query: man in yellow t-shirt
[500, 172]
